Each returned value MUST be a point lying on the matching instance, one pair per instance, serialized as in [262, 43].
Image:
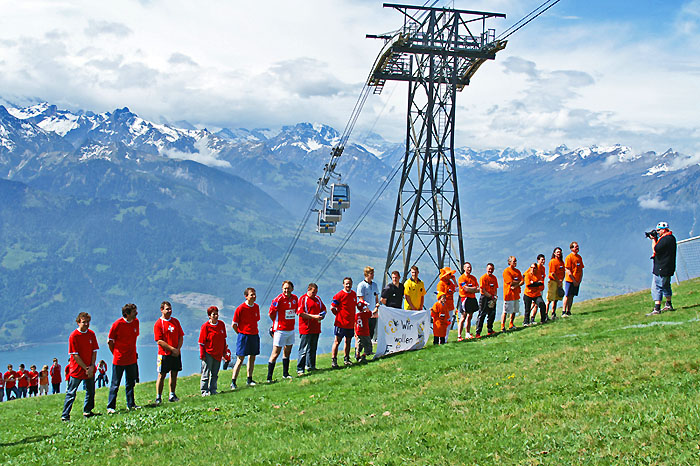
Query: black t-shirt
[665, 256]
[393, 295]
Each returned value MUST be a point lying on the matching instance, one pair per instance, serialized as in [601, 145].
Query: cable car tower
[437, 51]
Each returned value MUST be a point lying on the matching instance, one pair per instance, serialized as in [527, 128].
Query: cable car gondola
[340, 196]
[328, 213]
[324, 227]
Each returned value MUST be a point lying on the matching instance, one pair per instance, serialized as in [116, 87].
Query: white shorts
[283, 338]
[511, 307]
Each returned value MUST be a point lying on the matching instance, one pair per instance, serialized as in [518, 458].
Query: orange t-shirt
[467, 281]
[441, 319]
[489, 284]
[510, 274]
[556, 269]
[448, 287]
[530, 277]
[575, 264]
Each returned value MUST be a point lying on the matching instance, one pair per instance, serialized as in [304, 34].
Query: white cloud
[652, 201]
[204, 155]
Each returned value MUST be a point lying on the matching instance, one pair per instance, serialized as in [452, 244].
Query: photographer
[664, 257]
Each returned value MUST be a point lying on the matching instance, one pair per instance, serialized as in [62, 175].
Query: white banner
[399, 330]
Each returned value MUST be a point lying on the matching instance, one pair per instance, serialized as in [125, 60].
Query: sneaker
[159, 400]
[205, 394]
[512, 326]
[270, 381]
[468, 336]
[363, 358]
[111, 411]
[655, 312]
[460, 339]
[251, 383]
[233, 385]
[526, 324]
[554, 316]
[491, 332]
[173, 398]
[668, 308]
[65, 419]
[287, 376]
[91, 414]
[133, 408]
[347, 362]
[334, 365]
[300, 373]
[478, 335]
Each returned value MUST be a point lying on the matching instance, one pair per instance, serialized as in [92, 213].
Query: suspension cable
[527, 19]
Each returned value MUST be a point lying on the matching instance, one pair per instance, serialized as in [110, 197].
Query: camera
[651, 234]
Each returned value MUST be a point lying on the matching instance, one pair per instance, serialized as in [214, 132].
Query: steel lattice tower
[437, 51]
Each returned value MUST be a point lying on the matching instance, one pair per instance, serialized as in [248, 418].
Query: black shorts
[168, 363]
[470, 306]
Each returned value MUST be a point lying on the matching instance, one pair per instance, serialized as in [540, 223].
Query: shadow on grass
[34, 439]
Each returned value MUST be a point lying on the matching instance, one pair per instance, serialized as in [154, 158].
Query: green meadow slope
[606, 386]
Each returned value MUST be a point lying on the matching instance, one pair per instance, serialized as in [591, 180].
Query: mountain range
[99, 209]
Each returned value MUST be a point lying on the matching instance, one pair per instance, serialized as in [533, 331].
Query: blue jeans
[72, 390]
[306, 358]
[132, 375]
[660, 286]
[22, 392]
[12, 393]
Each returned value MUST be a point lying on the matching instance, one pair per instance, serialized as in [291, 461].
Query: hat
[662, 226]
[446, 271]
[440, 294]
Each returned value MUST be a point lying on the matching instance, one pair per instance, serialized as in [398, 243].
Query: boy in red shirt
[33, 376]
[343, 306]
[363, 339]
[311, 311]
[245, 324]
[468, 286]
[22, 381]
[55, 372]
[283, 313]
[10, 383]
[212, 345]
[122, 344]
[82, 346]
[169, 337]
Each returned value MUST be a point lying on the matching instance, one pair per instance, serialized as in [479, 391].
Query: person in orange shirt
[448, 285]
[512, 280]
[441, 319]
[487, 302]
[534, 284]
[541, 274]
[557, 272]
[468, 286]
[574, 275]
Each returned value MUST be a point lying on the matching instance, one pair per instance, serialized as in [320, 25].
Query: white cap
[662, 226]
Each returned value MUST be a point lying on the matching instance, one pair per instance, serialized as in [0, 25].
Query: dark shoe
[233, 385]
[655, 312]
[668, 308]
[334, 365]
[251, 383]
[347, 362]
[91, 414]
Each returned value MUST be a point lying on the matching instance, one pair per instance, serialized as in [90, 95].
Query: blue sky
[586, 72]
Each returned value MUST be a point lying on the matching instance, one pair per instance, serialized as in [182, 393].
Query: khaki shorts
[552, 287]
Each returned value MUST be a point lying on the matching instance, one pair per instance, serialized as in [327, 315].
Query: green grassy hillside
[606, 386]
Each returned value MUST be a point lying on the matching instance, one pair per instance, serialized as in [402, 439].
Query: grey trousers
[210, 374]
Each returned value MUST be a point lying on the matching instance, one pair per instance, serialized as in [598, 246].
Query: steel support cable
[360, 219]
[529, 17]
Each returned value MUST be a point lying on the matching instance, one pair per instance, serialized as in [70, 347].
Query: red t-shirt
[33, 378]
[313, 306]
[84, 345]
[362, 322]
[283, 312]
[55, 371]
[10, 379]
[345, 304]
[124, 335]
[169, 331]
[212, 340]
[247, 318]
[22, 378]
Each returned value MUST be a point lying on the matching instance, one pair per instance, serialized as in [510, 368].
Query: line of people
[355, 317]
[22, 383]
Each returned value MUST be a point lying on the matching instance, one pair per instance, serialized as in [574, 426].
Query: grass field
[607, 386]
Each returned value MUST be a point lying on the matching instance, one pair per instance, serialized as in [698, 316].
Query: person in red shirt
[245, 324]
[55, 372]
[487, 303]
[283, 313]
[22, 381]
[441, 318]
[212, 345]
[101, 374]
[512, 281]
[557, 272]
[2, 386]
[311, 311]
[82, 346]
[343, 306]
[363, 339]
[574, 275]
[122, 343]
[169, 337]
[33, 376]
[11, 383]
[468, 286]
